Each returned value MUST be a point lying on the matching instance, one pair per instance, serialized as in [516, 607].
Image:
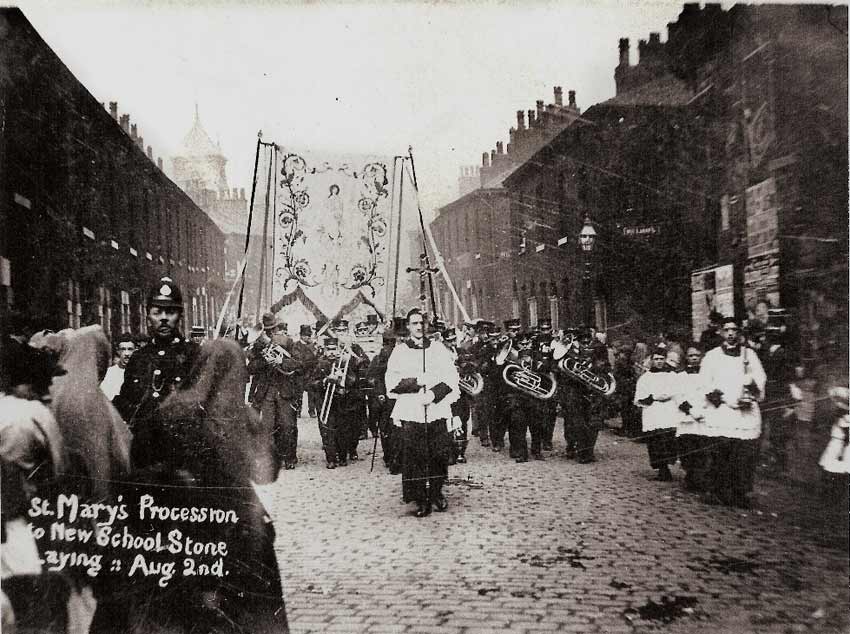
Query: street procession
[594, 379]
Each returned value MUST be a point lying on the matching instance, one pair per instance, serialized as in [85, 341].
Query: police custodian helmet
[165, 294]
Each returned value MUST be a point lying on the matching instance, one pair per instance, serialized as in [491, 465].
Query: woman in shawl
[96, 440]
[204, 459]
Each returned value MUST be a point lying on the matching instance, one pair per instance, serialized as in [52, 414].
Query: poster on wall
[711, 290]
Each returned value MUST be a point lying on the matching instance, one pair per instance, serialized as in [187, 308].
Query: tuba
[580, 370]
[524, 379]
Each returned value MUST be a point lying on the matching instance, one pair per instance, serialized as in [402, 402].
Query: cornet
[472, 384]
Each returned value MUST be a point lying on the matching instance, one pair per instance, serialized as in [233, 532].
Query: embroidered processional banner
[332, 234]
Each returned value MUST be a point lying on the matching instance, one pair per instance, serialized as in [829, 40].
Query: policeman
[155, 370]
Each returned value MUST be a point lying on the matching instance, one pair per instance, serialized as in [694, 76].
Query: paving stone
[549, 546]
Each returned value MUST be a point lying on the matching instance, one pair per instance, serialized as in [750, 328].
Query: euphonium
[581, 371]
[527, 381]
[472, 384]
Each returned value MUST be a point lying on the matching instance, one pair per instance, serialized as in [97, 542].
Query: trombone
[334, 380]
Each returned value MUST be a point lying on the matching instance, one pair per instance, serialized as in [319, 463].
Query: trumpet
[335, 379]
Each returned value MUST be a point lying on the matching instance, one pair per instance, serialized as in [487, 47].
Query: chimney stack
[559, 96]
[624, 51]
[159, 163]
[150, 152]
[500, 148]
[485, 160]
[134, 133]
[113, 109]
[125, 123]
[532, 119]
[572, 96]
[520, 120]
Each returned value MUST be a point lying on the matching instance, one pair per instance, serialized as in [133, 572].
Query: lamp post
[587, 241]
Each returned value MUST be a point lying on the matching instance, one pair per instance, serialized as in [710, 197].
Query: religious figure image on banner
[332, 234]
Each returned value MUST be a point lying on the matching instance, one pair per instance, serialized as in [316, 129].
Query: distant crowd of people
[197, 422]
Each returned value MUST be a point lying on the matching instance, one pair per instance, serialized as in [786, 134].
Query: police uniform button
[156, 394]
[157, 372]
[177, 379]
[161, 353]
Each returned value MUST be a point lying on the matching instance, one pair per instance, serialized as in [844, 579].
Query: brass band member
[380, 406]
[548, 409]
[506, 398]
[483, 349]
[423, 377]
[337, 431]
[526, 412]
[583, 408]
[461, 408]
[276, 390]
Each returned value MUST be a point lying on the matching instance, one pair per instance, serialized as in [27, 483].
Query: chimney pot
[572, 97]
[140, 141]
[159, 163]
[134, 133]
[485, 160]
[624, 51]
[493, 158]
[532, 119]
[559, 96]
[499, 147]
[125, 123]
[520, 120]
[655, 38]
[539, 108]
[508, 149]
[113, 109]
[150, 152]
[511, 136]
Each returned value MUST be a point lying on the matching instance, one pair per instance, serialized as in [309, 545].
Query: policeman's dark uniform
[152, 373]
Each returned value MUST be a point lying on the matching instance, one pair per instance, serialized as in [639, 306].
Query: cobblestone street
[551, 546]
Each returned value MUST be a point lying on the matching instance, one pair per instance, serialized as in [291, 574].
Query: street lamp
[587, 241]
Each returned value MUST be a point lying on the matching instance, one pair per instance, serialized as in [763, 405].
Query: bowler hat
[165, 294]
[270, 321]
